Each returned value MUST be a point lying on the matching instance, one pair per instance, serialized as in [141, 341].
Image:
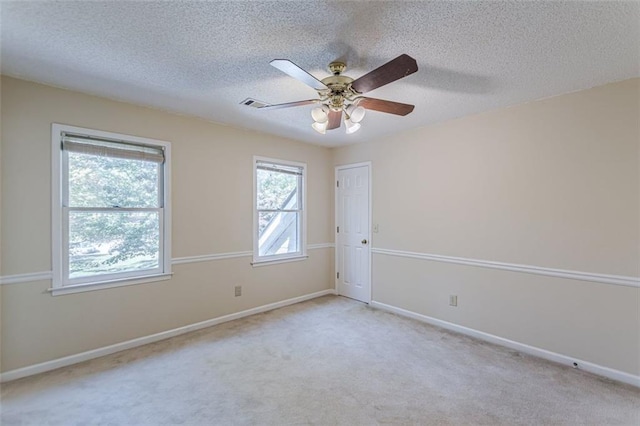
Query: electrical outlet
[453, 300]
[238, 290]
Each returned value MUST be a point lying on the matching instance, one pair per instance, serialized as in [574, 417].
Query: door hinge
[338, 275]
[337, 184]
[338, 229]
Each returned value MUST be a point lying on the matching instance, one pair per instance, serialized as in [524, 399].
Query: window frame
[61, 283]
[301, 254]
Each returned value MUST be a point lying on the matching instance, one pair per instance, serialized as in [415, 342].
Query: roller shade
[111, 148]
[292, 170]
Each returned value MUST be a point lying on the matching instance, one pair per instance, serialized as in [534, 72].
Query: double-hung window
[279, 214]
[111, 221]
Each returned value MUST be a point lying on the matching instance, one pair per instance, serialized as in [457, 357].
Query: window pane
[106, 242]
[276, 190]
[97, 181]
[278, 233]
[264, 219]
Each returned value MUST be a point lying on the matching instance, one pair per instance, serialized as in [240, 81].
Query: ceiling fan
[339, 93]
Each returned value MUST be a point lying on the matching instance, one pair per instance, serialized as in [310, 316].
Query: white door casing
[353, 216]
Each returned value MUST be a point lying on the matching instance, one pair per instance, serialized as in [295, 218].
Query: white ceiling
[203, 58]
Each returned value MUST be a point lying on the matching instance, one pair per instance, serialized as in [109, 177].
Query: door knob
[364, 241]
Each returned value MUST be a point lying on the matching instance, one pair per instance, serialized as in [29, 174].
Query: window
[279, 219]
[110, 209]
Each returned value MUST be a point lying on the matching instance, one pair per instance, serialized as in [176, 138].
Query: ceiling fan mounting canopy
[337, 68]
[339, 93]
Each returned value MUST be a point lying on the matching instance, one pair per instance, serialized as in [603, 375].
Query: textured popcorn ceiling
[203, 58]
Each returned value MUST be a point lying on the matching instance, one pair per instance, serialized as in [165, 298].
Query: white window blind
[111, 148]
[293, 170]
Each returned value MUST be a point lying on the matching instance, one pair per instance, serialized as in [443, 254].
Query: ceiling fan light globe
[320, 127]
[351, 126]
[319, 115]
[355, 113]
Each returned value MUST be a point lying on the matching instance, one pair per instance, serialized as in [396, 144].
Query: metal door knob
[364, 241]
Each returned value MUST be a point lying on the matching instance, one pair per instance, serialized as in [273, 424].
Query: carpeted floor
[328, 361]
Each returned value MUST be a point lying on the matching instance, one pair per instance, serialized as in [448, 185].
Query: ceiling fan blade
[288, 67]
[393, 70]
[389, 107]
[335, 118]
[290, 104]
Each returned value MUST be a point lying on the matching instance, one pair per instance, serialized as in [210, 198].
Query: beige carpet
[329, 361]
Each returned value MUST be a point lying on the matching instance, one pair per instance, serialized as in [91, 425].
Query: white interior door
[353, 272]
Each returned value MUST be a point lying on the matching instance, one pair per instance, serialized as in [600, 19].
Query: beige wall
[212, 213]
[553, 183]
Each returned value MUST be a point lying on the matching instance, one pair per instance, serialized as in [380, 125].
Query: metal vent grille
[254, 103]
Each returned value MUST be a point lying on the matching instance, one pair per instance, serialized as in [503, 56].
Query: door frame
[335, 223]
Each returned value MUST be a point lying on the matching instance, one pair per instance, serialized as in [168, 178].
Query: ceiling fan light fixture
[351, 126]
[356, 113]
[320, 114]
[320, 127]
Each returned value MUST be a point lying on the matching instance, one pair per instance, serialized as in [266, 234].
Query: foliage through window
[278, 209]
[113, 208]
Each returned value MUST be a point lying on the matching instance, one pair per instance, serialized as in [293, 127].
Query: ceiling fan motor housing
[339, 87]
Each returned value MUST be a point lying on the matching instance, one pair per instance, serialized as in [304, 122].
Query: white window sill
[258, 263]
[80, 288]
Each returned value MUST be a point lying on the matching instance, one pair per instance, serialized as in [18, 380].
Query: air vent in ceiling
[254, 103]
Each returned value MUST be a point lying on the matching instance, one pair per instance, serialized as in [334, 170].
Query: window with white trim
[111, 208]
[279, 215]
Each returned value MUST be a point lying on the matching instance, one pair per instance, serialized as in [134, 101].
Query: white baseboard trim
[107, 350]
[521, 347]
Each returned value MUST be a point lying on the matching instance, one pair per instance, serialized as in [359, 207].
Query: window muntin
[279, 210]
[113, 202]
